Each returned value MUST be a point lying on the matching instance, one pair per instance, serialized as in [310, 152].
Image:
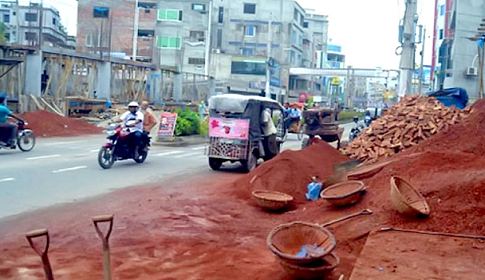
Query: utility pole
[135, 30]
[17, 16]
[41, 22]
[312, 78]
[268, 59]
[408, 47]
[421, 71]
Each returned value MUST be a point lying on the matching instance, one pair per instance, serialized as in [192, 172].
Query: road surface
[63, 170]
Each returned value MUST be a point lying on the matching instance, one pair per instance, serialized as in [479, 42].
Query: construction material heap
[411, 121]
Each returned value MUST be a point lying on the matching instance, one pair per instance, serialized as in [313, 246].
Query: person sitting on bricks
[135, 127]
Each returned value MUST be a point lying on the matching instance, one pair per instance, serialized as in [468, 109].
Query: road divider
[43, 157]
[70, 169]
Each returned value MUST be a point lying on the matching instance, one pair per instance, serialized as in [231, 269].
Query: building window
[174, 15]
[296, 15]
[54, 22]
[196, 60]
[302, 20]
[6, 18]
[146, 33]
[30, 36]
[221, 15]
[250, 8]
[442, 10]
[147, 5]
[219, 38]
[198, 7]
[441, 34]
[257, 68]
[166, 42]
[305, 25]
[250, 31]
[294, 37]
[101, 12]
[246, 51]
[89, 40]
[30, 17]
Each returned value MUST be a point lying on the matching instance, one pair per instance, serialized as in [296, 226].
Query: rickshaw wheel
[251, 163]
[215, 163]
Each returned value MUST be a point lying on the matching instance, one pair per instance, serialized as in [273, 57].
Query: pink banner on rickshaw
[229, 128]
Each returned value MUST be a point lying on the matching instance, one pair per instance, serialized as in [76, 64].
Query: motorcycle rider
[136, 128]
[8, 131]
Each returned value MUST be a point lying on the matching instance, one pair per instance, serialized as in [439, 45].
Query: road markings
[65, 143]
[94, 151]
[198, 148]
[7, 180]
[70, 169]
[43, 157]
[188, 155]
[168, 153]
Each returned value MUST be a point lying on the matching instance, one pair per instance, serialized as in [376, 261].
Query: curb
[182, 142]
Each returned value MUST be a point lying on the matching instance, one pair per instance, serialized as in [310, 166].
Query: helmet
[356, 119]
[133, 104]
[3, 96]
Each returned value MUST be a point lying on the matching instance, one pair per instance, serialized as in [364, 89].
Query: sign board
[167, 124]
[229, 128]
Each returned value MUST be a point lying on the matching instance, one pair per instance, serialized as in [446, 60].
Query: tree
[3, 31]
[62, 28]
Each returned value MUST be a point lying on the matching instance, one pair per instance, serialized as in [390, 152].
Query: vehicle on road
[294, 126]
[320, 123]
[119, 147]
[25, 139]
[237, 130]
[356, 129]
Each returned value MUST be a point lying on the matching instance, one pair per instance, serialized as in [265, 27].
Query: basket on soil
[406, 200]
[366, 171]
[343, 194]
[287, 240]
[317, 269]
[271, 200]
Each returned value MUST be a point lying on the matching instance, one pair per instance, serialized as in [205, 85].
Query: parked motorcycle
[356, 129]
[119, 147]
[25, 139]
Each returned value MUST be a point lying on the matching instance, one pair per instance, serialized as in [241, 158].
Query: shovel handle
[363, 212]
[42, 253]
[103, 219]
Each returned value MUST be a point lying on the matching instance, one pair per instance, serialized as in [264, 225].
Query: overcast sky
[367, 29]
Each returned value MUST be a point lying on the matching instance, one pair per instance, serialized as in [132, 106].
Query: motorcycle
[356, 129]
[25, 138]
[119, 147]
[367, 120]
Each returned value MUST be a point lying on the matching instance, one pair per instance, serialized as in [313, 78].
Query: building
[23, 25]
[442, 32]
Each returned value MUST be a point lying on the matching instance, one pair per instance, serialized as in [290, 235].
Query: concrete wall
[469, 14]
[33, 71]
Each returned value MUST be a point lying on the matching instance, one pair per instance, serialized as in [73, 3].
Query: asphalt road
[63, 170]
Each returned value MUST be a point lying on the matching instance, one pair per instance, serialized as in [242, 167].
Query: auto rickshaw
[236, 131]
[296, 127]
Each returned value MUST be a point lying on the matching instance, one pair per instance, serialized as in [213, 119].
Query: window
[30, 17]
[219, 38]
[302, 20]
[166, 42]
[89, 40]
[101, 12]
[296, 15]
[246, 51]
[197, 34]
[305, 25]
[54, 22]
[250, 9]
[146, 33]
[294, 37]
[147, 5]
[198, 7]
[221, 15]
[250, 31]
[442, 10]
[174, 15]
[248, 68]
[441, 34]
[196, 61]
[6, 18]
[30, 36]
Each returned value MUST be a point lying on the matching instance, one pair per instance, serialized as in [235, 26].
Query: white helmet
[133, 104]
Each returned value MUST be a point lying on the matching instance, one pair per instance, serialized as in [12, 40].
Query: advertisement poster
[229, 128]
[167, 124]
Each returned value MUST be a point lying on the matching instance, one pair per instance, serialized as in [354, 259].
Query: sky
[366, 29]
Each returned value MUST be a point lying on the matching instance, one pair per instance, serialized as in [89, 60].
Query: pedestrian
[149, 121]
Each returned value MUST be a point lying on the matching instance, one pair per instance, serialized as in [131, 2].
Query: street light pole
[135, 30]
[421, 71]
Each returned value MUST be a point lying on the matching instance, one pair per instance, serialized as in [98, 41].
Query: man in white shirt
[135, 127]
[269, 133]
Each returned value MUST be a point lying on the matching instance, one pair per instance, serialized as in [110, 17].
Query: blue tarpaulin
[451, 96]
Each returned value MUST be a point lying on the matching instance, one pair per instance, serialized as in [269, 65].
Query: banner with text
[229, 128]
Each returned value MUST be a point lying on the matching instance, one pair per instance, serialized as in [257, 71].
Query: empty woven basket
[285, 241]
[343, 194]
[406, 200]
[271, 200]
[317, 269]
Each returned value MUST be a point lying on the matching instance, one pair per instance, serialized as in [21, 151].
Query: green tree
[3, 31]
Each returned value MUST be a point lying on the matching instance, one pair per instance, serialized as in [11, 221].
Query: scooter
[356, 129]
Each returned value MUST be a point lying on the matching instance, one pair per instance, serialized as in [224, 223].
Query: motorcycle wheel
[26, 141]
[141, 157]
[105, 158]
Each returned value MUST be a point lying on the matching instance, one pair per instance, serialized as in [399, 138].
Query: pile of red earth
[291, 171]
[46, 124]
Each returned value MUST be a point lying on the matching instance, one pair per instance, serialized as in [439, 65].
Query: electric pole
[268, 59]
[41, 22]
[421, 70]
[135, 31]
[408, 48]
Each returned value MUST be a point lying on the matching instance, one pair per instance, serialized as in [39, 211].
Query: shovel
[42, 253]
[361, 213]
[104, 239]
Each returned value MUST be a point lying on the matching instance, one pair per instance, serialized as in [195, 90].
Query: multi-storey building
[442, 32]
[25, 23]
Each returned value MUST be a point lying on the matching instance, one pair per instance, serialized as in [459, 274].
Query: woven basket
[286, 240]
[271, 200]
[318, 269]
[406, 200]
[367, 171]
[343, 194]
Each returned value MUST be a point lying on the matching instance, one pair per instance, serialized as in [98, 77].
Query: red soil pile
[46, 124]
[291, 171]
